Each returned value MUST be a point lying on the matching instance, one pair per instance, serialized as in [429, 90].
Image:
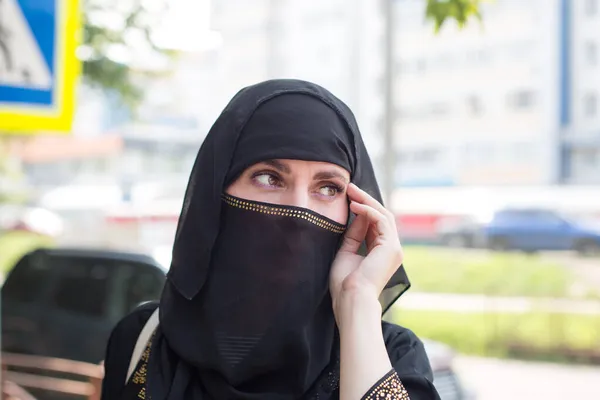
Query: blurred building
[50, 161]
[580, 118]
[513, 101]
[335, 43]
[493, 104]
[161, 143]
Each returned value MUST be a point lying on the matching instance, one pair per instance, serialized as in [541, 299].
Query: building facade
[479, 105]
[580, 118]
[511, 101]
[335, 43]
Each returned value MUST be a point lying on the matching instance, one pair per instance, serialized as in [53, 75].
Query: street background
[482, 119]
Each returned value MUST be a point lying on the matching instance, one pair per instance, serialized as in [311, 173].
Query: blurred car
[64, 303]
[15, 217]
[531, 229]
[445, 379]
[464, 232]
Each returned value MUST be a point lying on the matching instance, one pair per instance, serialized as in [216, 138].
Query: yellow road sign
[38, 67]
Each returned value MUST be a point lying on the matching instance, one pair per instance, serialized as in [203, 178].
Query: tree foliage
[112, 31]
[439, 11]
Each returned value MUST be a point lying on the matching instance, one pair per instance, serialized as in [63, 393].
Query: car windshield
[573, 217]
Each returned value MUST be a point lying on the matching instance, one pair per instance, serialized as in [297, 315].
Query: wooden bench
[12, 391]
[14, 382]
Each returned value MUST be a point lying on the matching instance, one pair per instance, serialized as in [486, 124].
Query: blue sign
[38, 67]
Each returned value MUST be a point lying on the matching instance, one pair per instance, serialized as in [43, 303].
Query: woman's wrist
[364, 357]
[357, 307]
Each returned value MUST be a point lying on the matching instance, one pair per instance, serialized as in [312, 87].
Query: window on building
[426, 156]
[591, 53]
[522, 99]
[584, 164]
[590, 105]
[401, 114]
[479, 154]
[418, 157]
[590, 157]
[474, 105]
[521, 152]
[402, 158]
[479, 56]
[438, 109]
[402, 67]
[591, 7]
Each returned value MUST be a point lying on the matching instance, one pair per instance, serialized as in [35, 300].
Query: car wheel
[459, 241]
[587, 248]
[498, 244]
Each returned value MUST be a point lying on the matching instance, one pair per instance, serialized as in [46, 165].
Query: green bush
[540, 335]
[439, 270]
[14, 245]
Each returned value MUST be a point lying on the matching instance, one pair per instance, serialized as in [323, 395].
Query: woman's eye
[329, 191]
[266, 180]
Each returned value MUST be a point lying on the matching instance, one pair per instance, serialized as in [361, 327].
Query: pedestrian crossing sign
[38, 67]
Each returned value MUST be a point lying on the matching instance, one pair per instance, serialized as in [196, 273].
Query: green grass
[547, 336]
[439, 270]
[14, 245]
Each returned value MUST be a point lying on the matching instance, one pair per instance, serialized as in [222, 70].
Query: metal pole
[389, 152]
[389, 149]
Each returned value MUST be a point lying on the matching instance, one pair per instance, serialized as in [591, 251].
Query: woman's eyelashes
[272, 180]
[330, 189]
[267, 179]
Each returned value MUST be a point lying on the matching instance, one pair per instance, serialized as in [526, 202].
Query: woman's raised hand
[353, 274]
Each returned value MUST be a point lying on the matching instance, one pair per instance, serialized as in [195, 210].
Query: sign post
[38, 67]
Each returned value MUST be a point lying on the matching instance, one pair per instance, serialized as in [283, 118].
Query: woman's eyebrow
[278, 165]
[323, 175]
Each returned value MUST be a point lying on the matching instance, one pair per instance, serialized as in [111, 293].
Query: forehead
[291, 166]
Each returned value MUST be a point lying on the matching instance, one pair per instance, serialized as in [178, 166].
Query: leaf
[101, 71]
[439, 11]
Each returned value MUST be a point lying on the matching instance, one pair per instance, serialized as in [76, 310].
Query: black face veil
[199, 350]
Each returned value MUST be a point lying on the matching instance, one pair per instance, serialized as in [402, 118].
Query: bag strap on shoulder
[141, 343]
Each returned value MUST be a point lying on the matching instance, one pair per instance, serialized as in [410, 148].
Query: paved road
[515, 380]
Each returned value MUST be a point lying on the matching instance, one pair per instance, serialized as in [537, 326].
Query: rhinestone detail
[285, 212]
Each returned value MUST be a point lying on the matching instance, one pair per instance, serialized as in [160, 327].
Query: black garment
[405, 350]
[213, 291]
[262, 327]
[285, 119]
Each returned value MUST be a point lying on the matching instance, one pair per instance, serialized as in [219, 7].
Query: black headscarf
[246, 311]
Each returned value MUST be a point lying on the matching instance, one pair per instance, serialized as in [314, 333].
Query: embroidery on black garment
[388, 387]
[285, 211]
[137, 384]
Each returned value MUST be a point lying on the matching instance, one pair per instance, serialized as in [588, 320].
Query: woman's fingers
[381, 231]
[355, 235]
[357, 194]
[375, 218]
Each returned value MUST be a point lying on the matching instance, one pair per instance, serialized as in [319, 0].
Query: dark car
[445, 379]
[463, 232]
[63, 303]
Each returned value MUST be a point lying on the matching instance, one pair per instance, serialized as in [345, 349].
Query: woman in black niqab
[260, 300]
